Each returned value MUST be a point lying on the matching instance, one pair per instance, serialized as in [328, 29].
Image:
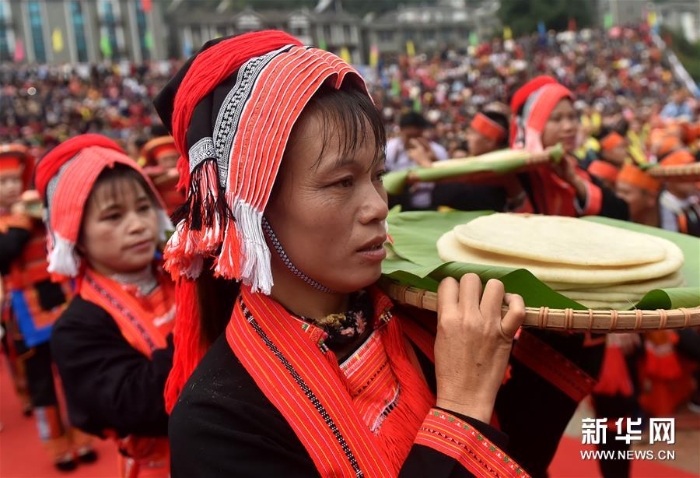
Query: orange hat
[633, 175]
[691, 132]
[156, 147]
[678, 158]
[604, 170]
[488, 127]
[667, 145]
[16, 157]
[611, 141]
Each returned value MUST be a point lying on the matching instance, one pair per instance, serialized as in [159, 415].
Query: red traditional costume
[111, 345]
[31, 305]
[270, 398]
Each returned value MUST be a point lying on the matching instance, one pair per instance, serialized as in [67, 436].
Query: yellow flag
[410, 48]
[651, 19]
[57, 40]
[345, 55]
[507, 33]
[373, 56]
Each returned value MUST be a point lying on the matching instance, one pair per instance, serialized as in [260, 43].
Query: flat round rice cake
[601, 296]
[451, 249]
[559, 240]
[672, 280]
[595, 304]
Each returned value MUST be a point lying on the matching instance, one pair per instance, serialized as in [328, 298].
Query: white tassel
[257, 270]
[63, 258]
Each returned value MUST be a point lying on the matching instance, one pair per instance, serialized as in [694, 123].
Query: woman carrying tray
[544, 115]
[551, 372]
[307, 371]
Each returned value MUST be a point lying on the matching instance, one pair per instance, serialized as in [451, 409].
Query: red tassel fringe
[614, 375]
[187, 339]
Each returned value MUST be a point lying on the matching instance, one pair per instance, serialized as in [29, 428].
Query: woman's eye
[112, 217]
[145, 207]
[380, 175]
[345, 182]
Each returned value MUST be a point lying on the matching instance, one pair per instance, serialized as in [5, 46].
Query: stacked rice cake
[598, 266]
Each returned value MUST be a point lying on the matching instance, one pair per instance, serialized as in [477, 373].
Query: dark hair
[502, 120]
[352, 112]
[413, 119]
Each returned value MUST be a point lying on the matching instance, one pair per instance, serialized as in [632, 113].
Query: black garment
[533, 412]
[469, 197]
[109, 385]
[12, 243]
[612, 206]
[224, 426]
[38, 367]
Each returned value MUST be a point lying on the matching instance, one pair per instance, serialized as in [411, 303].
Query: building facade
[80, 31]
[336, 31]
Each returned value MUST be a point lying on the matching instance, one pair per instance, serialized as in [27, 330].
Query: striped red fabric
[303, 380]
[144, 321]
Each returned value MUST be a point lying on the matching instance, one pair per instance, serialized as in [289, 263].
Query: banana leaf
[395, 181]
[413, 260]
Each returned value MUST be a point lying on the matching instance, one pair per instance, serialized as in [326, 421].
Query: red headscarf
[64, 180]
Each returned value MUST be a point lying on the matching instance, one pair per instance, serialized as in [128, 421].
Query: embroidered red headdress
[64, 180]
[231, 111]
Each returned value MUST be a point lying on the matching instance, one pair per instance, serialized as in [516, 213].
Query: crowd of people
[209, 295]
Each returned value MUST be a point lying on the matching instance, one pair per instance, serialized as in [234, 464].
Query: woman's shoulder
[222, 401]
[220, 378]
[82, 313]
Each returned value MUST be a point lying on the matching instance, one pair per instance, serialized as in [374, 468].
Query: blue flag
[541, 29]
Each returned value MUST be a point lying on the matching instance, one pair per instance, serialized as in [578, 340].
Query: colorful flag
[187, 48]
[473, 39]
[410, 48]
[541, 29]
[57, 40]
[148, 40]
[19, 51]
[106, 46]
[373, 56]
[146, 5]
[322, 44]
[395, 87]
[651, 19]
[345, 55]
[608, 21]
[507, 33]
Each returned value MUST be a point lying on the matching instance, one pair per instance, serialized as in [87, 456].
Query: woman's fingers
[492, 300]
[515, 316]
[448, 295]
[469, 292]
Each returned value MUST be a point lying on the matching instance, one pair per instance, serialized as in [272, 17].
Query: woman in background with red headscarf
[536, 397]
[543, 116]
[112, 345]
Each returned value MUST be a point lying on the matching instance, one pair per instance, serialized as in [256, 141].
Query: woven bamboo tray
[595, 320]
[679, 173]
